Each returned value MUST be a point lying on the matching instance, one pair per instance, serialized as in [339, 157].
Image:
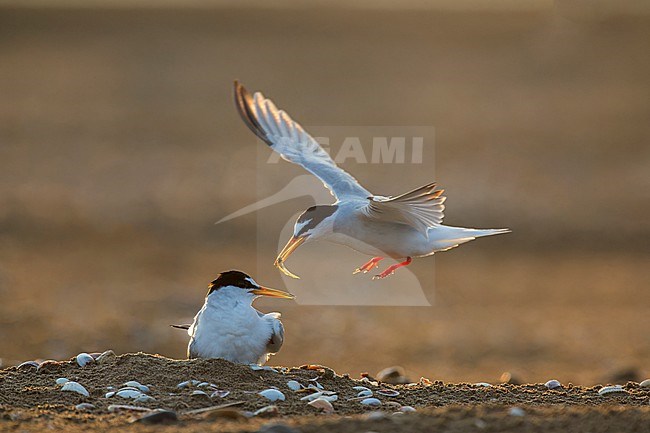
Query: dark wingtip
[244, 102]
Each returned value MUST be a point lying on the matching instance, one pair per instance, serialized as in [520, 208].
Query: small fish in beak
[288, 249]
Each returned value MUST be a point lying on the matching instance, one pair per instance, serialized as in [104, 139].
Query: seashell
[552, 384]
[185, 384]
[28, 365]
[313, 396]
[158, 416]
[105, 357]
[95, 355]
[614, 389]
[221, 393]
[371, 402]
[75, 387]
[365, 393]
[256, 367]
[120, 407]
[109, 394]
[83, 358]
[137, 385]
[366, 380]
[388, 392]
[203, 384]
[62, 380]
[84, 406]
[128, 393]
[267, 411]
[407, 409]
[129, 388]
[272, 394]
[322, 404]
[360, 388]
[516, 411]
[198, 392]
[645, 384]
[49, 364]
[143, 398]
[484, 384]
[294, 385]
[195, 382]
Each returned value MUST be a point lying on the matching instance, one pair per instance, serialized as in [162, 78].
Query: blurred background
[120, 147]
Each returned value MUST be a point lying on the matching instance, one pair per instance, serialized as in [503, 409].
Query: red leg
[373, 263]
[391, 269]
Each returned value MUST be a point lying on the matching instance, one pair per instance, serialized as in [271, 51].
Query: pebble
[294, 385]
[614, 389]
[158, 416]
[84, 406]
[75, 387]
[552, 384]
[407, 409]
[375, 415]
[62, 380]
[322, 404]
[28, 365]
[272, 394]
[83, 359]
[645, 384]
[371, 402]
[516, 411]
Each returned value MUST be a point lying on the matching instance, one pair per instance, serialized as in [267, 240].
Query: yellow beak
[289, 248]
[273, 293]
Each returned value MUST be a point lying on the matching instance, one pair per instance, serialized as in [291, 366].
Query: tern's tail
[443, 238]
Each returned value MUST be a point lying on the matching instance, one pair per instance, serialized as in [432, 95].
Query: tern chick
[400, 227]
[228, 327]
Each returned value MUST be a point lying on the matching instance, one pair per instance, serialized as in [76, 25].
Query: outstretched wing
[290, 140]
[421, 208]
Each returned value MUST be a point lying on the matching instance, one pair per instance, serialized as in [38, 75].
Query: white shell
[83, 358]
[256, 367]
[184, 384]
[110, 394]
[62, 380]
[407, 409]
[388, 392]
[360, 388]
[313, 396]
[220, 393]
[199, 392]
[105, 357]
[84, 406]
[365, 393]
[605, 390]
[322, 404]
[645, 384]
[128, 393]
[202, 384]
[272, 394]
[516, 411]
[137, 385]
[75, 387]
[371, 402]
[485, 384]
[552, 384]
[294, 385]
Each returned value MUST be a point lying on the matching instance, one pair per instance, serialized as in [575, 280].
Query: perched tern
[400, 227]
[228, 327]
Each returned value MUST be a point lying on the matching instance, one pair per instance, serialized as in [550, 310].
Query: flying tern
[400, 227]
[228, 327]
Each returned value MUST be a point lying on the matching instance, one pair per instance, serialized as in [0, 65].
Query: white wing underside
[290, 140]
[421, 208]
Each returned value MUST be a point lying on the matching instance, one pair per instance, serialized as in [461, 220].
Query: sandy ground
[120, 147]
[31, 401]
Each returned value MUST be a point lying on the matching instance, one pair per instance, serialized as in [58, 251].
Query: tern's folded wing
[277, 333]
[289, 139]
[421, 208]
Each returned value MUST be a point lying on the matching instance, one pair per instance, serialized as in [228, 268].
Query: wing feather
[286, 137]
[421, 208]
